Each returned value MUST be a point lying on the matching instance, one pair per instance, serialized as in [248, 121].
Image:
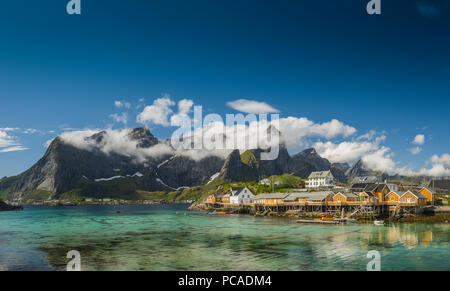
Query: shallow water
[169, 237]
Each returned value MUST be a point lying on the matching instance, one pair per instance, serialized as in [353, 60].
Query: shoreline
[6, 207]
[437, 217]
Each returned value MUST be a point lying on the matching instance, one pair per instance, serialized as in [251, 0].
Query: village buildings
[378, 196]
[320, 179]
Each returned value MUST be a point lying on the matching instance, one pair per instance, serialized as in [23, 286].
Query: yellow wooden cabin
[367, 197]
[295, 198]
[226, 198]
[410, 198]
[379, 191]
[392, 198]
[343, 198]
[270, 199]
[211, 199]
[427, 193]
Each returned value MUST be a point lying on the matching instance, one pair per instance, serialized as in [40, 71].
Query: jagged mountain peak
[144, 137]
[358, 169]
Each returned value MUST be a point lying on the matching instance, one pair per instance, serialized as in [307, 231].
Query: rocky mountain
[358, 169]
[65, 167]
[249, 166]
[182, 171]
[338, 170]
[89, 170]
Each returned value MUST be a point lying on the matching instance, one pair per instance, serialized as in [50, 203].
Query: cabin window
[413, 200]
[392, 198]
[339, 199]
[404, 200]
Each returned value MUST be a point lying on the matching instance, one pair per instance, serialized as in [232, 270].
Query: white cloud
[296, 131]
[367, 136]
[184, 107]
[9, 143]
[13, 149]
[158, 113]
[380, 160]
[9, 128]
[6, 140]
[443, 160]
[48, 142]
[251, 106]
[415, 150]
[120, 118]
[115, 141]
[30, 131]
[345, 151]
[419, 139]
[120, 104]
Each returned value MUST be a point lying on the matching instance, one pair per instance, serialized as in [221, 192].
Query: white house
[241, 195]
[320, 179]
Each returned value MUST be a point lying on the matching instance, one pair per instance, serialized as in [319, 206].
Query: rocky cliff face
[338, 170]
[249, 165]
[182, 171]
[65, 167]
[356, 170]
[232, 169]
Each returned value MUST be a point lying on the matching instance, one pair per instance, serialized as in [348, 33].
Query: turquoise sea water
[169, 237]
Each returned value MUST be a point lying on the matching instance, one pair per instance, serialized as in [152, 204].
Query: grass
[38, 195]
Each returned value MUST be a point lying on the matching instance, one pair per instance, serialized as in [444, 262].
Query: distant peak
[310, 151]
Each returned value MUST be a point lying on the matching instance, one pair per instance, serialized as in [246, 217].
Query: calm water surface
[169, 237]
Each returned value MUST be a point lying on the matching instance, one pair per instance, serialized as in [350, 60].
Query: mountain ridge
[92, 171]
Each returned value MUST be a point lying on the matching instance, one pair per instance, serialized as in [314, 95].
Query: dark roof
[237, 189]
[371, 187]
[380, 187]
[361, 185]
[440, 185]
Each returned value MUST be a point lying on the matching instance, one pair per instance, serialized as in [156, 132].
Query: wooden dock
[319, 221]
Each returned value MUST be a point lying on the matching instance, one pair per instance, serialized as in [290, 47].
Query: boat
[228, 212]
[221, 212]
[378, 222]
[212, 213]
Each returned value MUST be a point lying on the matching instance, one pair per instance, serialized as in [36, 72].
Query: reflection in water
[407, 234]
[161, 237]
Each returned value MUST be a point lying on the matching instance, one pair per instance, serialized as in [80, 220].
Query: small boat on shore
[378, 222]
[212, 213]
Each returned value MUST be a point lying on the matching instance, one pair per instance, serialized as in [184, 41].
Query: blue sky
[319, 59]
